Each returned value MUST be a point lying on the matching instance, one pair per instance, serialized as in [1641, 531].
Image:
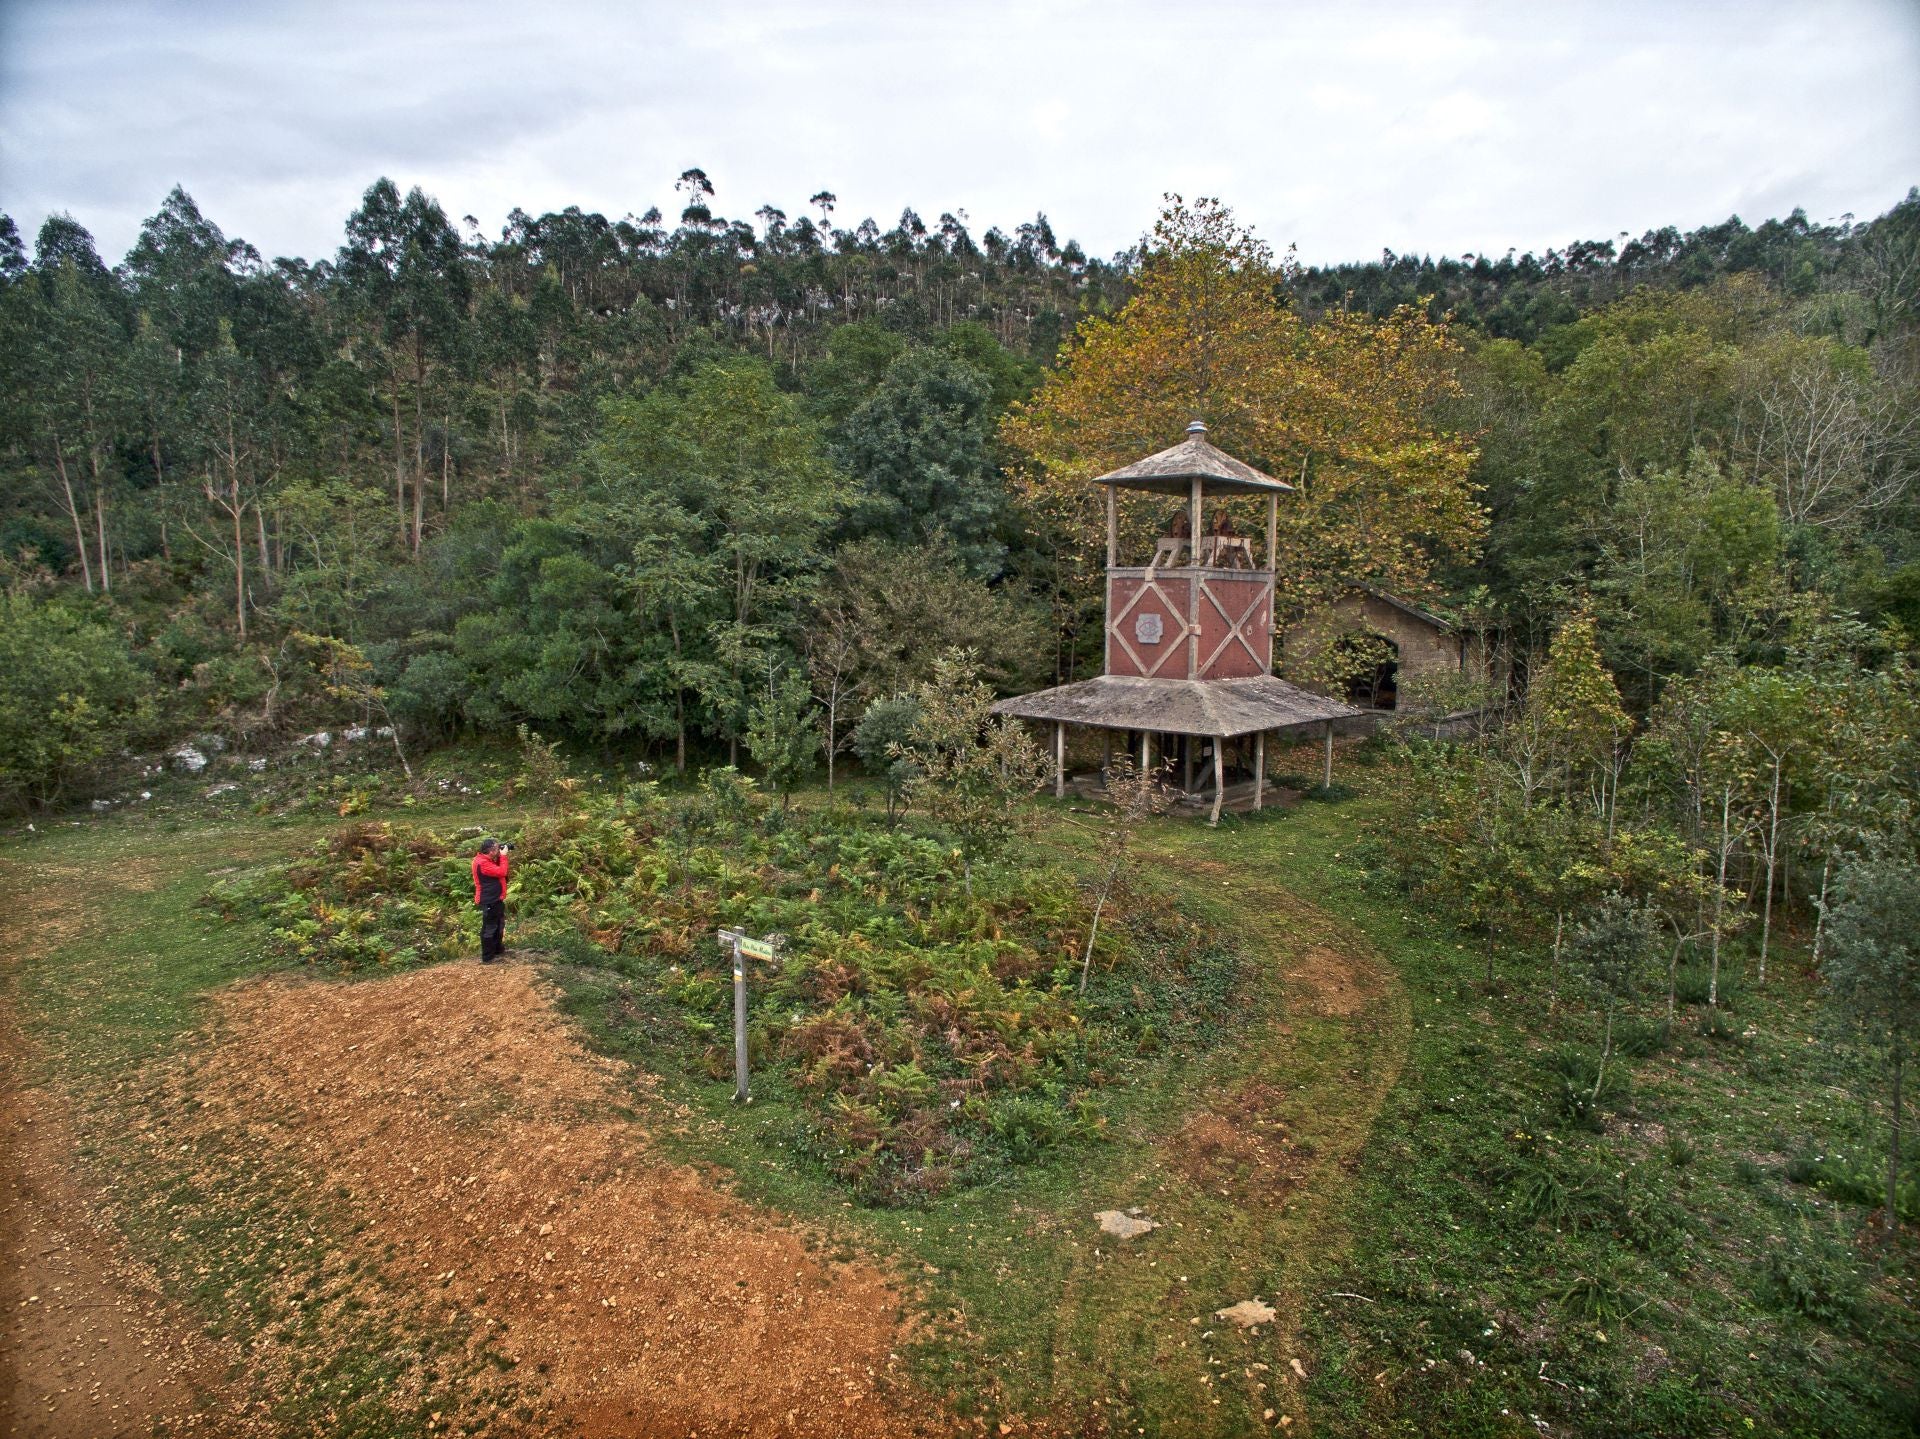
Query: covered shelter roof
[1174, 470]
[1219, 709]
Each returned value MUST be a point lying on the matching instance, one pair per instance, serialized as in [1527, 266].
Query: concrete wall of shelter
[1426, 649]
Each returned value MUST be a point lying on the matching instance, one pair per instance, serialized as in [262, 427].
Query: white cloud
[1422, 127]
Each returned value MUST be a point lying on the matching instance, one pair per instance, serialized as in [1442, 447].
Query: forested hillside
[612, 478]
[1550, 1079]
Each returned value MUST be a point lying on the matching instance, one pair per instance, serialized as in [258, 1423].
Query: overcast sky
[1341, 128]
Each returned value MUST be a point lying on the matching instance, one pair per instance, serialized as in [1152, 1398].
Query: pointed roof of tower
[1173, 470]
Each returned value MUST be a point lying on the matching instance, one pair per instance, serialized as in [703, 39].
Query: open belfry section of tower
[1188, 684]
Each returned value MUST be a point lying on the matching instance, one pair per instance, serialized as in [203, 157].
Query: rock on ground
[1247, 1313]
[1125, 1224]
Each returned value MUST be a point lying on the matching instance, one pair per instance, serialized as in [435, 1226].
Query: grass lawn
[1373, 1147]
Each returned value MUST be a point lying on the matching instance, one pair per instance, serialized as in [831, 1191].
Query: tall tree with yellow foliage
[1345, 409]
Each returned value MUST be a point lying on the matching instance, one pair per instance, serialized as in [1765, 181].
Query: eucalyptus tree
[972, 771]
[13, 252]
[783, 733]
[186, 274]
[233, 412]
[78, 400]
[407, 275]
[1873, 979]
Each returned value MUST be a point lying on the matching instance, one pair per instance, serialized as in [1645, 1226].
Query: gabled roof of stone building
[1405, 606]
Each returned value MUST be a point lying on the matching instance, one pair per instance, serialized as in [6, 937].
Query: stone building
[1403, 656]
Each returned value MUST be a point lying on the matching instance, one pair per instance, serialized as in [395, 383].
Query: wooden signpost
[744, 947]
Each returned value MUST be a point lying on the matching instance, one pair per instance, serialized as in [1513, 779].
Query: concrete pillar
[1260, 770]
[1059, 759]
[1327, 780]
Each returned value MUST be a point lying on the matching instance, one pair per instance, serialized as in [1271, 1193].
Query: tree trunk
[1773, 855]
[239, 562]
[1820, 907]
[419, 439]
[679, 700]
[1893, 1152]
[100, 520]
[399, 461]
[419, 508]
[1553, 982]
[396, 745]
[73, 511]
[1093, 930]
[1720, 898]
[833, 719]
[1606, 1051]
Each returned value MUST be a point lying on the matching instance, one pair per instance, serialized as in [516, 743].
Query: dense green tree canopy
[595, 473]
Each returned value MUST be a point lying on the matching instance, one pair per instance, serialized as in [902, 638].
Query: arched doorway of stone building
[1371, 663]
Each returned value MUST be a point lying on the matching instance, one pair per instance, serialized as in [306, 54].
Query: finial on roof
[1197, 430]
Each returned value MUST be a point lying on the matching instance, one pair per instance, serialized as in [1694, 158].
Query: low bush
[1639, 1038]
[1693, 983]
[1808, 1279]
[1584, 1096]
[1854, 1180]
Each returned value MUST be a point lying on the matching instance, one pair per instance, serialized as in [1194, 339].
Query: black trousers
[493, 929]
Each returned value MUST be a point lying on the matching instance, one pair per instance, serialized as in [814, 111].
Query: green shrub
[1692, 983]
[1854, 1180]
[1027, 1126]
[1599, 1298]
[1541, 1195]
[1811, 1279]
[70, 696]
[1640, 1038]
[1579, 1071]
[1718, 1025]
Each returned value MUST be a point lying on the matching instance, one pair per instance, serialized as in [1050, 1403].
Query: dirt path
[481, 1176]
[473, 1171]
[1254, 1177]
[92, 1348]
[89, 1346]
[1287, 1150]
[484, 1157]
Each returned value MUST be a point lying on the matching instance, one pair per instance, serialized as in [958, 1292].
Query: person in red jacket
[490, 893]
